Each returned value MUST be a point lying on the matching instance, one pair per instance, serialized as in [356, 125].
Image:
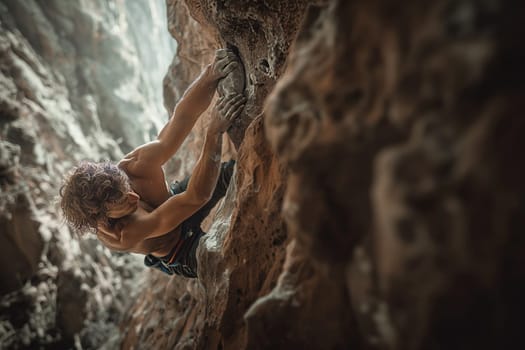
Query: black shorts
[185, 261]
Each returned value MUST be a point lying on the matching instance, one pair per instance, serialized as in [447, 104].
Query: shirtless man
[129, 205]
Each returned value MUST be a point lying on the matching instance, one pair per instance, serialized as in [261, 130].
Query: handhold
[233, 83]
[264, 66]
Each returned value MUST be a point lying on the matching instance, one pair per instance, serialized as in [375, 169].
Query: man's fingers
[237, 111]
[239, 101]
[230, 99]
[222, 105]
[233, 100]
[226, 65]
[228, 108]
[226, 57]
[229, 67]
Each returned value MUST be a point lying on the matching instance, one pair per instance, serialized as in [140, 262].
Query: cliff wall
[378, 200]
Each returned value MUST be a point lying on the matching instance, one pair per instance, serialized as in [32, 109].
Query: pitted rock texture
[234, 82]
[395, 136]
[399, 124]
[241, 257]
[21, 242]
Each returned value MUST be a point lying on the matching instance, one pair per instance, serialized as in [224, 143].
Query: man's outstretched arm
[202, 183]
[193, 103]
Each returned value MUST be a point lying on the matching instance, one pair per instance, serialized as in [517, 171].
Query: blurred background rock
[78, 80]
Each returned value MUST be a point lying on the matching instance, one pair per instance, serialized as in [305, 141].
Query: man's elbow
[198, 198]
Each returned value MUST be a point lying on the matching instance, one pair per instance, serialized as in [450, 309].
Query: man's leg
[186, 263]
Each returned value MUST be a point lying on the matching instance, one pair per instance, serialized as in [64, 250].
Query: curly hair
[87, 190]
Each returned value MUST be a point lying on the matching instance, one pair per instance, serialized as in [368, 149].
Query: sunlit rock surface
[395, 136]
[74, 84]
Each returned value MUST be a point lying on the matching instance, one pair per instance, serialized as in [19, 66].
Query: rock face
[242, 254]
[73, 85]
[393, 152]
[404, 184]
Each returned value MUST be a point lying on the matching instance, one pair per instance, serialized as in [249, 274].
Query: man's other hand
[224, 62]
[225, 111]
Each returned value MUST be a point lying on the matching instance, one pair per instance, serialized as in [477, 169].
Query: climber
[128, 204]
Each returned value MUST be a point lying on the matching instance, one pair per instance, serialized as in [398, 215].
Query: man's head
[91, 192]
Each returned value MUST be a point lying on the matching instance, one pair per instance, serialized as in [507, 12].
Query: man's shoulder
[127, 163]
[135, 164]
[136, 222]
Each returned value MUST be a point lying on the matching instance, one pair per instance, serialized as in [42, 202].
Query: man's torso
[153, 192]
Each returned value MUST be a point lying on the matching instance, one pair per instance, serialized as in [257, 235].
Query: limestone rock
[242, 254]
[72, 302]
[20, 241]
[402, 184]
[394, 134]
[9, 161]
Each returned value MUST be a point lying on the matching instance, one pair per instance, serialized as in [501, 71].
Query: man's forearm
[176, 209]
[199, 94]
[193, 103]
[205, 174]
[200, 188]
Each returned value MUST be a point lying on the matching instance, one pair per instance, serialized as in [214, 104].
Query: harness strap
[179, 245]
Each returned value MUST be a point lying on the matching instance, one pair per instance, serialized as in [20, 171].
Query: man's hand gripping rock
[225, 111]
